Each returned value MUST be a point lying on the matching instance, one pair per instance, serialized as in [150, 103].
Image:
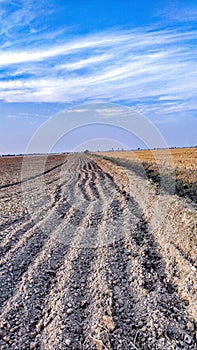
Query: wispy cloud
[102, 41]
[182, 13]
[84, 63]
[149, 66]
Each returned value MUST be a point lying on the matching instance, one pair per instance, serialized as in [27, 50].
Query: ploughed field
[94, 256]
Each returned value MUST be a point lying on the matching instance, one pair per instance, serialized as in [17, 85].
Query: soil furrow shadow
[15, 236]
[48, 266]
[16, 221]
[82, 186]
[22, 257]
[75, 297]
[186, 257]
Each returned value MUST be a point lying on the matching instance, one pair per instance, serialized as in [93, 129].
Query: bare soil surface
[99, 260]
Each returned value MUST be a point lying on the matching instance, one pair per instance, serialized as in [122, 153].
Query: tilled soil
[84, 265]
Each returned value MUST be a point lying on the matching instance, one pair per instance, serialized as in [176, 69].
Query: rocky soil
[96, 258]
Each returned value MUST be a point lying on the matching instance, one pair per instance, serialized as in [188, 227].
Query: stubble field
[100, 257]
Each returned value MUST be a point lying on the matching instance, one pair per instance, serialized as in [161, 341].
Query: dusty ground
[100, 260]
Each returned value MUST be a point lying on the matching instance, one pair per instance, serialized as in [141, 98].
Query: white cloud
[113, 111]
[9, 58]
[169, 98]
[157, 66]
[84, 63]
[77, 110]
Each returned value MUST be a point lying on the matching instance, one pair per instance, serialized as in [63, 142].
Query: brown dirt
[100, 260]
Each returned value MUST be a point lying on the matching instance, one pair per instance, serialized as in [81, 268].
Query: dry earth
[100, 260]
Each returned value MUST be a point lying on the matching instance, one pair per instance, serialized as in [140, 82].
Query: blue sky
[59, 54]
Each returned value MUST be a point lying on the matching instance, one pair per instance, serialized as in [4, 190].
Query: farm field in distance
[98, 251]
[180, 164]
[184, 158]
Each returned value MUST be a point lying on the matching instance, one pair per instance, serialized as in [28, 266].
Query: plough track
[85, 272]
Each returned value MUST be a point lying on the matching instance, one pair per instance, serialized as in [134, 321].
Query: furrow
[100, 323]
[16, 261]
[72, 298]
[41, 216]
[39, 276]
[68, 303]
[90, 273]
